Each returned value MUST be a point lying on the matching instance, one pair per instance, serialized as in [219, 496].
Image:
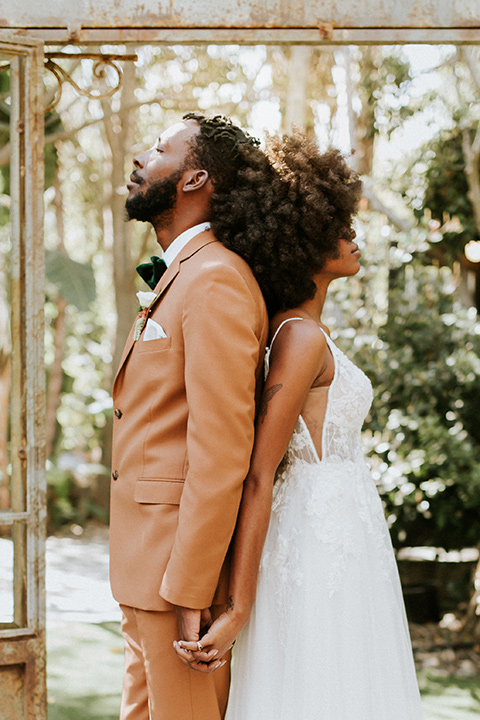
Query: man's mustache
[136, 178]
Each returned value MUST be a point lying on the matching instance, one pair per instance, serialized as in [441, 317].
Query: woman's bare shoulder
[296, 332]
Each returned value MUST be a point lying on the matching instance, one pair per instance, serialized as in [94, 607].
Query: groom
[184, 406]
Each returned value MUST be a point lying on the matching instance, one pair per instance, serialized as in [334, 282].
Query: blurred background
[407, 117]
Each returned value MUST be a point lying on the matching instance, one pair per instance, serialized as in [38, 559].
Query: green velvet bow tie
[151, 272]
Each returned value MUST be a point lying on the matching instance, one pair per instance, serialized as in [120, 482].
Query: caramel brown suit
[183, 434]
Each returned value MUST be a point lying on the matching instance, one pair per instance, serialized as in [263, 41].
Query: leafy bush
[66, 503]
[423, 435]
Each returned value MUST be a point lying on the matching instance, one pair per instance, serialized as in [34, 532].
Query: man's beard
[159, 200]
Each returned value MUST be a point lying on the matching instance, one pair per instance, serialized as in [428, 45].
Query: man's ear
[194, 180]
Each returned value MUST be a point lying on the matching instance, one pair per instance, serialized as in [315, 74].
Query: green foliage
[53, 123]
[66, 503]
[51, 162]
[446, 191]
[423, 434]
[383, 91]
[85, 403]
[75, 281]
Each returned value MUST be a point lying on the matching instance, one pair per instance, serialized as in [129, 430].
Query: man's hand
[192, 625]
[188, 621]
[207, 655]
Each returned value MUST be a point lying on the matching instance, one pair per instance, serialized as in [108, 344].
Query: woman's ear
[194, 180]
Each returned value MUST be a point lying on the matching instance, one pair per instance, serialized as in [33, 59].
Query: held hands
[206, 655]
[192, 624]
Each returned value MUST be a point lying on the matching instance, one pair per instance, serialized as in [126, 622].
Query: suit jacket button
[115, 474]
[118, 413]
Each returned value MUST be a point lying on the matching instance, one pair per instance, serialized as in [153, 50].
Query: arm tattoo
[267, 396]
[230, 602]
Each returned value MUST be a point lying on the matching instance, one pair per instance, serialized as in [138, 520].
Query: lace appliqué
[349, 400]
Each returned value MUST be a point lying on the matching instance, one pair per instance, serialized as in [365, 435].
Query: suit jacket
[184, 410]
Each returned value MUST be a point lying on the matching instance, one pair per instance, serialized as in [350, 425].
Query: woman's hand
[207, 655]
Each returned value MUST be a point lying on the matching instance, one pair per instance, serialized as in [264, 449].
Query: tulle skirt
[328, 637]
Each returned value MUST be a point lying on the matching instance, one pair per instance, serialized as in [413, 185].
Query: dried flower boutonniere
[145, 301]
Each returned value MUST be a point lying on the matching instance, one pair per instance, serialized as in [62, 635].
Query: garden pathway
[77, 583]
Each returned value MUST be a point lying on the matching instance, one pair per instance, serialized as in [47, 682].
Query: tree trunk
[471, 622]
[352, 118]
[55, 376]
[120, 133]
[120, 130]
[297, 91]
[471, 151]
[365, 123]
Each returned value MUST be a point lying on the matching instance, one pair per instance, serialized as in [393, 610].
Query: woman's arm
[297, 355]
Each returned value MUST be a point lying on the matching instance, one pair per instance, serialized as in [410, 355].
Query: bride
[315, 599]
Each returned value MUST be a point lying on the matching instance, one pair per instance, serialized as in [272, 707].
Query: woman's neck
[314, 307]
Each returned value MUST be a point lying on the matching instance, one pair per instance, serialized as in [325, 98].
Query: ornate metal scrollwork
[101, 63]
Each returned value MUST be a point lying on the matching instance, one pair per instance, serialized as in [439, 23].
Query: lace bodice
[349, 398]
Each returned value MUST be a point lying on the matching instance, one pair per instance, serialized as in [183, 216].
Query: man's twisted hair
[283, 211]
[221, 148]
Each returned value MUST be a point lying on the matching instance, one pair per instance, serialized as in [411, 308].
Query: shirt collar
[179, 243]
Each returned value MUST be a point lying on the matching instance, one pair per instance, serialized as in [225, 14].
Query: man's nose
[140, 160]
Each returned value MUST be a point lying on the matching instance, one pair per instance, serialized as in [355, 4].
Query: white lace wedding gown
[328, 637]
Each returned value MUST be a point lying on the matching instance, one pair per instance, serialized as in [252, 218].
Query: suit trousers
[156, 684]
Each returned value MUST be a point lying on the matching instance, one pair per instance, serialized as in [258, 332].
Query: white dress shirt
[181, 240]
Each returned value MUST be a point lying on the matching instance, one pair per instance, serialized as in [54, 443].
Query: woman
[327, 637]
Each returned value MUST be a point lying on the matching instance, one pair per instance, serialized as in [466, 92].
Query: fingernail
[215, 653]
[222, 663]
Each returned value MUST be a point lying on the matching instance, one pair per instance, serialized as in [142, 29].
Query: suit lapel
[192, 247]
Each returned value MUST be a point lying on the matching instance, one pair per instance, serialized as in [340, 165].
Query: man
[184, 406]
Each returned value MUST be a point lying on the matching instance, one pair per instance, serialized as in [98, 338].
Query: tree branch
[66, 134]
[378, 205]
[466, 54]
[471, 153]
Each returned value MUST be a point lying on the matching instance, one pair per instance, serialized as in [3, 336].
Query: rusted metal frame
[21, 656]
[18, 481]
[34, 341]
[89, 56]
[8, 518]
[324, 34]
[101, 62]
[25, 654]
[237, 13]
[28, 514]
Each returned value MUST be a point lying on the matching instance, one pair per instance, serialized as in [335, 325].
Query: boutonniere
[145, 302]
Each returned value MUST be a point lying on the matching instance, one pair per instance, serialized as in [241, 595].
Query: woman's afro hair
[286, 213]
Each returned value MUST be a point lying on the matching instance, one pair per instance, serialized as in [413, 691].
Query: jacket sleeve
[222, 324]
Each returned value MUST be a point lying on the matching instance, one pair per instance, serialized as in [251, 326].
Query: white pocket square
[153, 331]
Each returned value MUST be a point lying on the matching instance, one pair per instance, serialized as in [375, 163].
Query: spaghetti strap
[280, 327]
[269, 348]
